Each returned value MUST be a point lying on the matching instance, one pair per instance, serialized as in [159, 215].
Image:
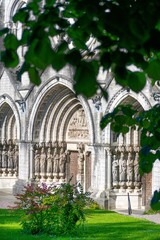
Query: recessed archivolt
[53, 113]
[13, 7]
[8, 128]
[61, 118]
[133, 102]
[50, 105]
[123, 94]
[138, 101]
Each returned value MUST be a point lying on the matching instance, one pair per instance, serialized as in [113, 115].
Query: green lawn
[100, 225]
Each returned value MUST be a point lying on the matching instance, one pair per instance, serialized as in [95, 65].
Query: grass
[100, 225]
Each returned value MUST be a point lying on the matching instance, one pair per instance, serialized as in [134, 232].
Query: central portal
[61, 138]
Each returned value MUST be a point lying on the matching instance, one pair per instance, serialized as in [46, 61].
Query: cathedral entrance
[60, 139]
[126, 178]
[9, 150]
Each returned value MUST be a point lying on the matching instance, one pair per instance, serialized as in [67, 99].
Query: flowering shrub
[53, 210]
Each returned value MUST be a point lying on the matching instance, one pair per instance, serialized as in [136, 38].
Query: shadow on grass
[122, 231]
[99, 211]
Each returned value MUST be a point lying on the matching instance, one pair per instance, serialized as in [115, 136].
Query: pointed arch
[52, 111]
[9, 119]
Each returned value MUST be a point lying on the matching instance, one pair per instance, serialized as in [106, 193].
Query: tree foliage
[89, 35]
[124, 32]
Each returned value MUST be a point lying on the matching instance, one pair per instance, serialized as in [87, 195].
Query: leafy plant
[53, 210]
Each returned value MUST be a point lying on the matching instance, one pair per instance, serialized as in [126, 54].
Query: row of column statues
[9, 157]
[125, 167]
[50, 160]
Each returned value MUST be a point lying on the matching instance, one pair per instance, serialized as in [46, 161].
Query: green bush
[53, 210]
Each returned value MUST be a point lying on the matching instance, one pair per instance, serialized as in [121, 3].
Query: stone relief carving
[78, 128]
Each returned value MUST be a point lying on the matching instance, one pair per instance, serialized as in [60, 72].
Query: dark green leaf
[85, 79]
[39, 58]
[73, 57]
[136, 81]
[58, 61]
[49, 3]
[153, 69]
[10, 58]
[11, 42]
[25, 36]
[34, 76]
[22, 16]
[4, 31]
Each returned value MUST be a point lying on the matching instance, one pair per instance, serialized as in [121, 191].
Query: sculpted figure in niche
[49, 161]
[123, 168]
[56, 161]
[136, 168]
[115, 169]
[16, 158]
[4, 157]
[130, 167]
[10, 157]
[62, 161]
[80, 161]
[43, 161]
[37, 162]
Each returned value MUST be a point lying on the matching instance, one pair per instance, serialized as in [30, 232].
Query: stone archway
[60, 134]
[125, 177]
[9, 150]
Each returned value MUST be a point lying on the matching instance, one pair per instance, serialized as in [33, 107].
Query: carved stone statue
[123, 169]
[80, 161]
[10, 157]
[130, 167]
[56, 161]
[115, 169]
[62, 161]
[37, 162]
[16, 158]
[49, 161]
[4, 157]
[136, 169]
[43, 161]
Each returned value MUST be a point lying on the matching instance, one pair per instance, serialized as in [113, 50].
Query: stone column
[31, 161]
[109, 167]
[128, 137]
[136, 140]
[24, 167]
[24, 160]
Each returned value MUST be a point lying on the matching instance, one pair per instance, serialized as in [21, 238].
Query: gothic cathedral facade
[48, 134]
